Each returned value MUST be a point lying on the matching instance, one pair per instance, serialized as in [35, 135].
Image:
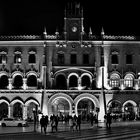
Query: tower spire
[45, 33]
[90, 31]
[102, 32]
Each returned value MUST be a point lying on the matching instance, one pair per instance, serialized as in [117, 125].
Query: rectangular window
[73, 58]
[114, 59]
[17, 59]
[129, 59]
[32, 59]
[114, 83]
[3, 59]
[85, 58]
[128, 83]
[61, 59]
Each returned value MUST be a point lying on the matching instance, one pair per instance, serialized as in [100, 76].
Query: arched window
[73, 81]
[129, 80]
[18, 82]
[61, 82]
[32, 81]
[4, 82]
[86, 81]
[114, 80]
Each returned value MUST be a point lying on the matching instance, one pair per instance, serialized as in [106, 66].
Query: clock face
[74, 29]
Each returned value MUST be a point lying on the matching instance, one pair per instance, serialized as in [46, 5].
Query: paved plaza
[119, 130]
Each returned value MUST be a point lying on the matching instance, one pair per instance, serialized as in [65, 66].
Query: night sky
[30, 17]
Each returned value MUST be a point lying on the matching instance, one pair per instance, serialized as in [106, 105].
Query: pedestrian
[78, 124]
[91, 119]
[96, 119]
[46, 121]
[56, 122]
[108, 120]
[42, 123]
[71, 123]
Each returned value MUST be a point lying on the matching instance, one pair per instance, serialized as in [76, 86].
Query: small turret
[102, 32]
[45, 33]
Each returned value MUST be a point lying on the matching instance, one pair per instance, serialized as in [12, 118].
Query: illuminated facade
[70, 73]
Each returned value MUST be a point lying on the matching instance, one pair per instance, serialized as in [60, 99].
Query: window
[129, 59]
[32, 58]
[73, 58]
[3, 58]
[17, 58]
[128, 80]
[114, 59]
[60, 58]
[85, 58]
[114, 80]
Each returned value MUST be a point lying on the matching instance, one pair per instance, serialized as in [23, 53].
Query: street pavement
[119, 131]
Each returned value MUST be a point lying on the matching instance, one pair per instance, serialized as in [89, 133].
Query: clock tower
[73, 22]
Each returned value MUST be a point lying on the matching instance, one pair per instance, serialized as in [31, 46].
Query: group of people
[108, 119]
[75, 122]
[44, 123]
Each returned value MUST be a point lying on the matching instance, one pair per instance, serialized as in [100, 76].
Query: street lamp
[34, 112]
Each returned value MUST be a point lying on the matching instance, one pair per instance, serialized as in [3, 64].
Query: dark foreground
[130, 131]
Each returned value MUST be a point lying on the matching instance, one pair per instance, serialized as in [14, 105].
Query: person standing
[42, 123]
[78, 125]
[108, 120]
[46, 121]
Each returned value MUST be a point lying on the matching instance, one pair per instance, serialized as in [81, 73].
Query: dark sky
[30, 17]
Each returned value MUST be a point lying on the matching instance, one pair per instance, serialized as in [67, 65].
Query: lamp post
[34, 112]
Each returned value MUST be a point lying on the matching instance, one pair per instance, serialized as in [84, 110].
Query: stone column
[24, 116]
[122, 84]
[79, 81]
[10, 111]
[24, 83]
[10, 84]
[67, 83]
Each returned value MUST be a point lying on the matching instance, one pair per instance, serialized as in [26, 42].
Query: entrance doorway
[86, 108]
[3, 110]
[129, 112]
[30, 115]
[61, 108]
[18, 110]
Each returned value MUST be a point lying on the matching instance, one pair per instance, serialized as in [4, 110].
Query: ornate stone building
[70, 73]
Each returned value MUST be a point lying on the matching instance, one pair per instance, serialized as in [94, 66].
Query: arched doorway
[31, 107]
[18, 82]
[4, 82]
[3, 110]
[18, 110]
[87, 105]
[85, 108]
[61, 82]
[60, 107]
[129, 111]
[115, 108]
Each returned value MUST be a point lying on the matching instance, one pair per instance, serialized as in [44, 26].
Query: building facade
[70, 73]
